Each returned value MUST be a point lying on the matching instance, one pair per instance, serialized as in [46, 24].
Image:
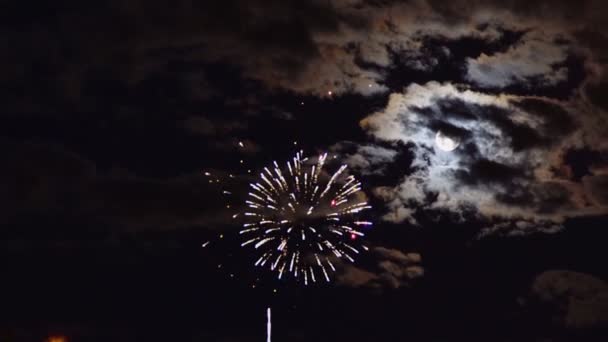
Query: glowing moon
[446, 143]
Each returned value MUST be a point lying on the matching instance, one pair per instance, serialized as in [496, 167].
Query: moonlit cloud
[503, 168]
[535, 60]
[367, 159]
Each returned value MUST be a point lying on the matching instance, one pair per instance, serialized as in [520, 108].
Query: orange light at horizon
[57, 339]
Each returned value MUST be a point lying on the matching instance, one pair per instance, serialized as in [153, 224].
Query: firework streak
[300, 218]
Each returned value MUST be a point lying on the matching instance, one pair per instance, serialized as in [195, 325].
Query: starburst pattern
[301, 218]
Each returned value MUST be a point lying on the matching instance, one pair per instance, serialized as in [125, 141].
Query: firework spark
[300, 218]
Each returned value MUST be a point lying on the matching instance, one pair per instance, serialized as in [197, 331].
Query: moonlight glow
[445, 142]
[301, 218]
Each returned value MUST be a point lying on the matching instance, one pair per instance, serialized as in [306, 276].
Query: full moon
[445, 142]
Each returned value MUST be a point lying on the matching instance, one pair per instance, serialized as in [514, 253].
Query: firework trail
[301, 218]
[268, 325]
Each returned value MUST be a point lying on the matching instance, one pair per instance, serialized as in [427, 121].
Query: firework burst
[300, 218]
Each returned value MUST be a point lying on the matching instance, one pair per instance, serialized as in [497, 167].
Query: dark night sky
[112, 112]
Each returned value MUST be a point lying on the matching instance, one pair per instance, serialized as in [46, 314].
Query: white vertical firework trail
[268, 325]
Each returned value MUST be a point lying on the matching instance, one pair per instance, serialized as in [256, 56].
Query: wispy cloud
[510, 147]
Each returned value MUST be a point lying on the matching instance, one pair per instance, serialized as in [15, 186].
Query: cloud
[182, 53]
[47, 177]
[597, 188]
[534, 61]
[367, 159]
[139, 203]
[48, 180]
[368, 39]
[201, 125]
[504, 168]
[393, 269]
[574, 300]
[342, 46]
[356, 277]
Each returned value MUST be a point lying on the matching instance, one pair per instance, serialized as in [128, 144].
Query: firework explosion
[301, 218]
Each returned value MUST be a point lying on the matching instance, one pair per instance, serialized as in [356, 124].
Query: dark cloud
[309, 47]
[455, 108]
[393, 269]
[485, 171]
[203, 126]
[42, 179]
[55, 58]
[155, 204]
[579, 162]
[573, 300]
[555, 119]
[597, 188]
[596, 93]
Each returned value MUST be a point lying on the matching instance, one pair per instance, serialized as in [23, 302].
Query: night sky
[479, 130]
